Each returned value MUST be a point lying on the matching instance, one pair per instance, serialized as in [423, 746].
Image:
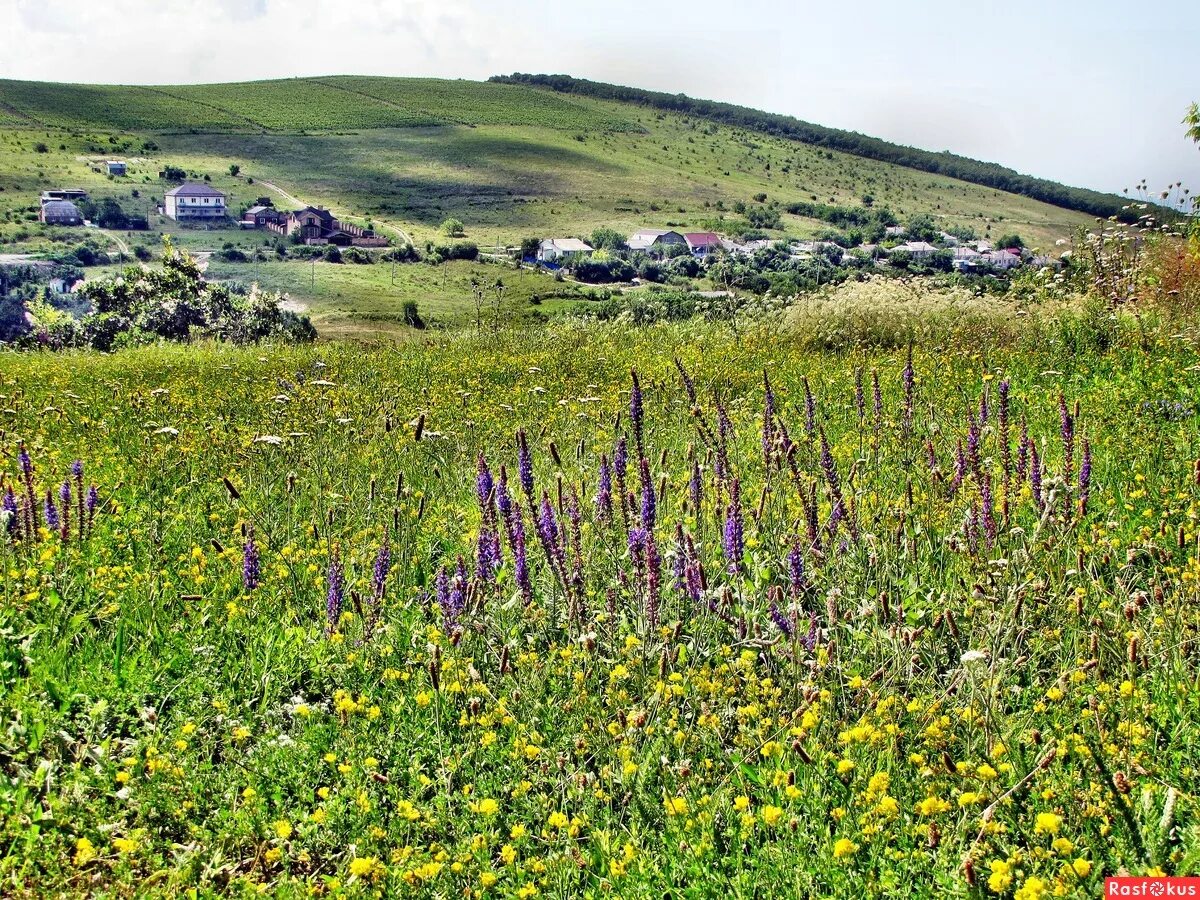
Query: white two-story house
[191, 202]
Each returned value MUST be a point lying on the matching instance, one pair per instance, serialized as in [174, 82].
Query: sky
[1087, 93]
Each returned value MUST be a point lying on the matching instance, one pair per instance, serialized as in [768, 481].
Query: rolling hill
[511, 160]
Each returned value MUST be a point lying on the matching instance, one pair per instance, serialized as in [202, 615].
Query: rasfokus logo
[1140, 886]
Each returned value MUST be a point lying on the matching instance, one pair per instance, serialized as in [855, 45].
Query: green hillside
[509, 160]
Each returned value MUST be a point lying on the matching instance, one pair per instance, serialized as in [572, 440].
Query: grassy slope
[521, 161]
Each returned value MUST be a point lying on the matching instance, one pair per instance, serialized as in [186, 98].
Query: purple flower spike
[733, 538]
[780, 619]
[604, 507]
[524, 465]
[51, 512]
[1085, 477]
[383, 566]
[334, 594]
[251, 570]
[635, 411]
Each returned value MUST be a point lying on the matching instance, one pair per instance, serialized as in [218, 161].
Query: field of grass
[326, 627]
[509, 161]
[363, 302]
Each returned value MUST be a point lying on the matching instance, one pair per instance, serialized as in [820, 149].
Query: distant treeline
[948, 164]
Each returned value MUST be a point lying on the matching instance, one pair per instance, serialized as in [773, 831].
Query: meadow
[363, 302]
[594, 610]
[510, 161]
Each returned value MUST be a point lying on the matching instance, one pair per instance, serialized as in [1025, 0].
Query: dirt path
[296, 201]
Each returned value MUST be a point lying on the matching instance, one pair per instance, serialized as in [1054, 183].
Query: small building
[258, 216]
[563, 250]
[60, 212]
[72, 194]
[916, 249]
[895, 231]
[116, 167]
[1000, 259]
[702, 243]
[654, 241]
[310, 223]
[194, 202]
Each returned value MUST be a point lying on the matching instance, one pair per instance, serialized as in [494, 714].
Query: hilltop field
[403, 155]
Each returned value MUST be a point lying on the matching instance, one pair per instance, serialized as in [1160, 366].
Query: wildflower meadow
[599, 611]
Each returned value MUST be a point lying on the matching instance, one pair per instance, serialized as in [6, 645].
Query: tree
[529, 247]
[608, 239]
[1010, 242]
[234, 168]
[1192, 120]
[454, 227]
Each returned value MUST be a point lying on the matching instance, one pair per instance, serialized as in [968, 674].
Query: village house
[702, 243]
[654, 241]
[259, 216]
[314, 225]
[562, 250]
[116, 167]
[194, 202]
[916, 249]
[60, 212]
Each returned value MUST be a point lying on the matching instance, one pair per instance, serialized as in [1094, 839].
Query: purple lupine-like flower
[649, 501]
[810, 409]
[960, 468]
[810, 639]
[733, 538]
[1085, 477]
[829, 467]
[77, 472]
[908, 377]
[653, 580]
[688, 385]
[974, 436]
[797, 577]
[635, 411]
[860, 403]
[504, 503]
[696, 489]
[51, 512]
[488, 556]
[520, 560]
[26, 462]
[604, 504]
[458, 589]
[876, 398]
[524, 465]
[335, 591]
[1067, 428]
[92, 504]
[1035, 475]
[12, 512]
[780, 620]
[988, 509]
[251, 567]
[381, 569]
[549, 534]
[484, 483]
[984, 409]
[441, 591]
[636, 539]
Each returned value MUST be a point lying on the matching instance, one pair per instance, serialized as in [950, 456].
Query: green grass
[521, 161]
[347, 300]
[171, 730]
